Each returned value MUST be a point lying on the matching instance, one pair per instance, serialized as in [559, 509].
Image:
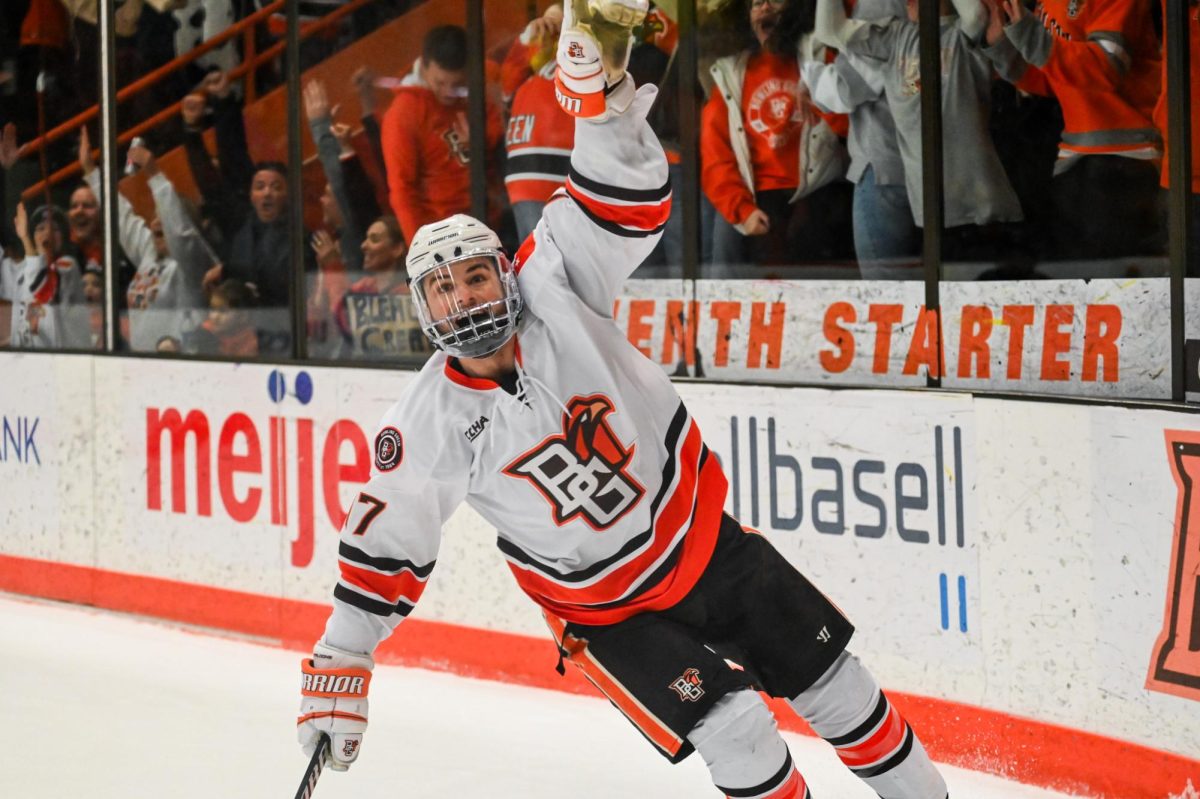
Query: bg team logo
[687, 685]
[583, 471]
[1175, 664]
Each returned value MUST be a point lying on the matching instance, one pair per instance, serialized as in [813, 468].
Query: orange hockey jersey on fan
[428, 172]
[1099, 58]
[1160, 110]
[538, 141]
[772, 119]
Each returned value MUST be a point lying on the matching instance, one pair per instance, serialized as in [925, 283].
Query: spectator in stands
[886, 238]
[93, 300]
[349, 199]
[180, 232]
[375, 316]
[45, 286]
[365, 83]
[259, 239]
[540, 134]
[771, 164]
[83, 211]
[426, 135]
[163, 285]
[977, 192]
[229, 328]
[1101, 61]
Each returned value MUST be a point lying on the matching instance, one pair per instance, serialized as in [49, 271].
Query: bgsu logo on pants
[584, 471]
[687, 685]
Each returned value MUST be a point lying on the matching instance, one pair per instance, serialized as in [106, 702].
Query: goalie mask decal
[389, 449]
[583, 472]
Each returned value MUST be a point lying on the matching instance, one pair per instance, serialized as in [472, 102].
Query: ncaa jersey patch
[389, 449]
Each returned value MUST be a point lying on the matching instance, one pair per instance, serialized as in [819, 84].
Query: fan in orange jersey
[1100, 59]
[425, 134]
[1160, 119]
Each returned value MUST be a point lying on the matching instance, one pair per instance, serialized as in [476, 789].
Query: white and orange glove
[593, 51]
[333, 700]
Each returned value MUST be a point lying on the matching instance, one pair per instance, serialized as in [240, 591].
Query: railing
[251, 61]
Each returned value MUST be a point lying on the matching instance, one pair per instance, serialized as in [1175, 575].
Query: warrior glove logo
[687, 685]
[584, 471]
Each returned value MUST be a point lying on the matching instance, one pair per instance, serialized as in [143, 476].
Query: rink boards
[1024, 575]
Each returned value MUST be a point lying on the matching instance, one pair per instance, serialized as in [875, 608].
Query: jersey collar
[454, 371]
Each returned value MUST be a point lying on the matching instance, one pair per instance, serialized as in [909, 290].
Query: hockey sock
[745, 754]
[846, 707]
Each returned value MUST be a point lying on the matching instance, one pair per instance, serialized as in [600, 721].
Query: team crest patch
[687, 685]
[583, 472]
[349, 749]
[389, 449]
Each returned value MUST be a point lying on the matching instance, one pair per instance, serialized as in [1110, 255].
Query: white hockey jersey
[604, 497]
[47, 303]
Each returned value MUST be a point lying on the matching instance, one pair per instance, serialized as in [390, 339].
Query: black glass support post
[1179, 135]
[295, 165]
[931, 160]
[477, 109]
[108, 168]
[689, 141]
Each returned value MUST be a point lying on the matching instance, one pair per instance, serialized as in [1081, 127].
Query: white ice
[104, 705]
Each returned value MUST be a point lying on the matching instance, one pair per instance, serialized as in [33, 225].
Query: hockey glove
[333, 700]
[593, 52]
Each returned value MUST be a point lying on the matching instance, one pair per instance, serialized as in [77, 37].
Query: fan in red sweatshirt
[425, 134]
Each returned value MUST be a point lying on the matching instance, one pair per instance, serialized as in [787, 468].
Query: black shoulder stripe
[373, 606]
[387, 565]
[619, 192]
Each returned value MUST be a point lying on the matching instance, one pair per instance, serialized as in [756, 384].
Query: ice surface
[103, 705]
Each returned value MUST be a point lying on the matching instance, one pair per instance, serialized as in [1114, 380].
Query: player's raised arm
[618, 189]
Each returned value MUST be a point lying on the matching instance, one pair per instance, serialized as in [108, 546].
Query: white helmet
[465, 331]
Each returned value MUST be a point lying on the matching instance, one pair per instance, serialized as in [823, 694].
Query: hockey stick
[313, 772]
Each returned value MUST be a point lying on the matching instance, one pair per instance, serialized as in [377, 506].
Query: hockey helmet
[472, 309]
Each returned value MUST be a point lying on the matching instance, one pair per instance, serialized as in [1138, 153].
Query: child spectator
[229, 328]
[45, 287]
[425, 134]
[976, 188]
[771, 164]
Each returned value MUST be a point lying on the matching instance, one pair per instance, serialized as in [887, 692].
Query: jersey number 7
[374, 508]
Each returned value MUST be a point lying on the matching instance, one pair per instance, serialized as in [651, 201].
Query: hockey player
[540, 415]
